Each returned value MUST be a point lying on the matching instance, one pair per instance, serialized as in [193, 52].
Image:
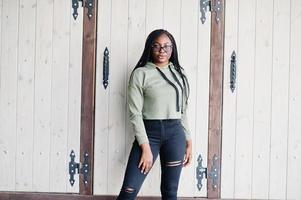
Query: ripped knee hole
[174, 163]
[128, 189]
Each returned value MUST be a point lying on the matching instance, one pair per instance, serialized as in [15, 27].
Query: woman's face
[161, 50]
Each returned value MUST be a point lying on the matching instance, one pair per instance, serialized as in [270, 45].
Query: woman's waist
[162, 120]
[161, 115]
[157, 123]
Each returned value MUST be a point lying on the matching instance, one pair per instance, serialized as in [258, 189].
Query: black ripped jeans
[167, 138]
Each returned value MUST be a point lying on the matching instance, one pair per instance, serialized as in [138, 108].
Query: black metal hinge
[207, 5]
[202, 172]
[79, 168]
[88, 4]
[214, 172]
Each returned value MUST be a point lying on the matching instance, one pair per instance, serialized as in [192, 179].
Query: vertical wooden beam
[215, 101]
[88, 95]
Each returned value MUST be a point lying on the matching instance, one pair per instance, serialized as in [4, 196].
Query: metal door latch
[105, 71]
[207, 5]
[233, 72]
[88, 4]
[79, 168]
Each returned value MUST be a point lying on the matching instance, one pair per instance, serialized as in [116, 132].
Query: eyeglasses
[158, 47]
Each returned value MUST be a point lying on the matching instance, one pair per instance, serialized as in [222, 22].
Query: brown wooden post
[88, 95]
[215, 101]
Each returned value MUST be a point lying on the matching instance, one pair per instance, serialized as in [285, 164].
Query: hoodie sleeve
[135, 104]
[184, 120]
[185, 123]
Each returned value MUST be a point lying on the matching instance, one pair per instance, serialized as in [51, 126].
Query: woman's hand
[188, 153]
[146, 160]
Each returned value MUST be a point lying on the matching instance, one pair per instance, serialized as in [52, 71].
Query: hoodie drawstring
[175, 87]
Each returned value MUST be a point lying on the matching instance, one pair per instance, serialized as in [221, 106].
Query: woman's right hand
[146, 160]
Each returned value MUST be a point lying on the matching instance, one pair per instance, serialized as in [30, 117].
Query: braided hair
[147, 56]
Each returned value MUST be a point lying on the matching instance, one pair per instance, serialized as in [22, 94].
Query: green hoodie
[150, 96]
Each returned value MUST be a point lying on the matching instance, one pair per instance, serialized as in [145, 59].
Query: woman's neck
[161, 64]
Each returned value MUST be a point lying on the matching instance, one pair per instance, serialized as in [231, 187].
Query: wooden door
[261, 118]
[40, 82]
[123, 26]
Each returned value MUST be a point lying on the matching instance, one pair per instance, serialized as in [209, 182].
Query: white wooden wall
[40, 81]
[123, 26]
[261, 122]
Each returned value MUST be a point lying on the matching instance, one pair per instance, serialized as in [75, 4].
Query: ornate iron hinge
[88, 4]
[214, 172]
[79, 168]
[202, 172]
[207, 5]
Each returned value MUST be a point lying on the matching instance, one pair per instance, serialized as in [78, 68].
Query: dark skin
[161, 58]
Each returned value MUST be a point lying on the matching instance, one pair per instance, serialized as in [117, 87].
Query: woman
[158, 91]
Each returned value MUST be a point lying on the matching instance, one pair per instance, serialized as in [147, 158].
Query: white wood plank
[172, 19]
[229, 103]
[294, 147]
[154, 15]
[117, 104]
[1, 7]
[102, 126]
[8, 94]
[136, 42]
[202, 99]
[74, 95]
[188, 60]
[245, 92]
[59, 101]
[25, 95]
[262, 99]
[42, 107]
[280, 84]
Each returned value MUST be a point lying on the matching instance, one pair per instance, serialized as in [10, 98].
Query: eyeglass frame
[162, 47]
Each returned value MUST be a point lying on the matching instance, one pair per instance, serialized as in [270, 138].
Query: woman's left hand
[188, 153]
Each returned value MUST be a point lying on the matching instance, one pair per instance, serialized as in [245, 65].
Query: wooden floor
[60, 196]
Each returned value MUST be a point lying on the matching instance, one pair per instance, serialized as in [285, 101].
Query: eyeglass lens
[166, 48]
